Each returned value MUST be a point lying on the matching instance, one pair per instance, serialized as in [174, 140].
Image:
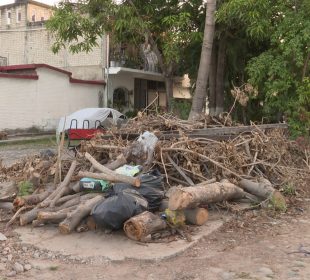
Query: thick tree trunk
[203, 194]
[169, 90]
[265, 191]
[73, 220]
[140, 226]
[212, 83]
[220, 72]
[199, 98]
[196, 216]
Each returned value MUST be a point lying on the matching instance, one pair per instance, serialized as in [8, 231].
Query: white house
[38, 95]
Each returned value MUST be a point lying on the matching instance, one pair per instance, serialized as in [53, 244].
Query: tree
[167, 26]
[199, 98]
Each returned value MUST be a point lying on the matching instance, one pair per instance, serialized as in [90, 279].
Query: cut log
[29, 216]
[112, 177]
[265, 191]
[63, 187]
[203, 194]
[74, 218]
[32, 199]
[8, 198]
[140, 226]
[163, 205]
[196, 216]
[262, 189]
[6, 205]
[108, 173]
[54, 217]
[91, 224]
[67, 197]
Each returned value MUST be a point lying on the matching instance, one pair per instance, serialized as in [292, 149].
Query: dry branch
[112, 177]
[73, 220]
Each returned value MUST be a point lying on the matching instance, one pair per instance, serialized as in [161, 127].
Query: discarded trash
[129, 170]
[115, 210]
[89, 184]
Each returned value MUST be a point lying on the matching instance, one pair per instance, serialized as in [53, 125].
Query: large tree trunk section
[140, 226]
[199, 98]
[220, 72]
[169, 91]
[73, 220]
[265, 191]
[196, 216]
[203, 194]
[212, 83]
[261, 189]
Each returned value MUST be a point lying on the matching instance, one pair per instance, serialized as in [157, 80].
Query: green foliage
[289, 189]
[131, 114]
[280, 71]
[25, 188]
[181, 108]
[299, 110]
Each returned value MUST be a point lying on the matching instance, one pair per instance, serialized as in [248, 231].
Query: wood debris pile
[256, 164]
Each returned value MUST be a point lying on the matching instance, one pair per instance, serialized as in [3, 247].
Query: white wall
[41, 103]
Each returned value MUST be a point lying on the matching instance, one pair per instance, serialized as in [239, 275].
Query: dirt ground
[253, 245]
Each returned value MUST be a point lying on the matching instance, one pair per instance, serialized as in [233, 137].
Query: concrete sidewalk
[115, 246]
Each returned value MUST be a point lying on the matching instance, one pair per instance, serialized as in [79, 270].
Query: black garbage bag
[117, 209]
[151, 189]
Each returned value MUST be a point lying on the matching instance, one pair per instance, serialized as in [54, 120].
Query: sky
[50, 2]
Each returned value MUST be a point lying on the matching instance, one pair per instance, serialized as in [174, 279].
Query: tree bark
[73, 220]
[32, 199]
[113, 177]
[120, 161]
[199, 98]
[140, 226]
[203, 194]
[169, 90]
[54, 217]
[108, 174]
[212, 83]
[63, 188]
[29, 216]
[264, 190]
[196, 216]
[220, 72]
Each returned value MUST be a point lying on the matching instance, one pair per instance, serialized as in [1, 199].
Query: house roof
[28, 71]
[25, 2]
